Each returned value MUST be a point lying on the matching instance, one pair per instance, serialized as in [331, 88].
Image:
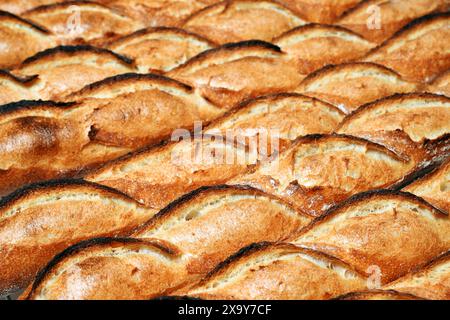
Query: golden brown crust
[393, 15]
[20, 38]
[384, 234]
[83, 272]
[278, 272]
[319, 171]
[364, 83]
[322, 11]
[41, 220]
[65, 69]
[160, 49]
[403, 123]
[379, 295]
[155, 13]
[77, 22]
[431, 281]
[240, 20]
[277, 120]
[14, 88]
[121, 106]
[440, 85]
[211, 223]
[161, 174]
[314, 46]
[417, 51]
[20, 6]
[434, 187]
[235, 72]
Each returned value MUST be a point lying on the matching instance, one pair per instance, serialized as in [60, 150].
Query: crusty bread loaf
[379, 295]
[20, 38]
[417, 51]
[384, 234]
[319, 171]
[390, 15]
[115, 269]
[41, 220]
[440, 85]
[65, 69]
[154, 13]
[323, 11]
[78, 22]
[210, 224]
[14, 88]
[314, 46]
[364, 83]
[405, 123]
[432, 281]
[434, 187]
[240, 20]
[160, 49]
[277, 120]
[205, 226]
[154, 106]
[238, 71]
[251, 274]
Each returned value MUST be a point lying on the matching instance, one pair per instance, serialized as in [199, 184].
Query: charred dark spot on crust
[132, 76]
[71, 50]
[55, 184]
[73, 250]
[367, 196]
[398, 97]
[24, 80]
[33, 104]
[410, 27]
[5, 14]
[178, 31]
[364, 294]
[318, 26]
[339, 67]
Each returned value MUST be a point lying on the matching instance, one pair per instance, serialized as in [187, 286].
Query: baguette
[278, 272]
[239, 71]
[65, 69]
[80, 22]
[115, 268]
[405, 123]
[41, 140]
[205, 226]
[20, 38]
[393, 16]
[431, 281]
[39, 221]
[156, 13]
[14, 88]
[314, 46]
[434, 187]
[278, 118]
[417, 51]
[240, 20]
[385, 233]
[364, 83]
[135, 110]
[160, 49]
[321, 11]
[378, 295]
[441, 85]
[319, 171]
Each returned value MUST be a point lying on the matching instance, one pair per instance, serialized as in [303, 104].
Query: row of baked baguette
[309, 175]
[104, 121]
